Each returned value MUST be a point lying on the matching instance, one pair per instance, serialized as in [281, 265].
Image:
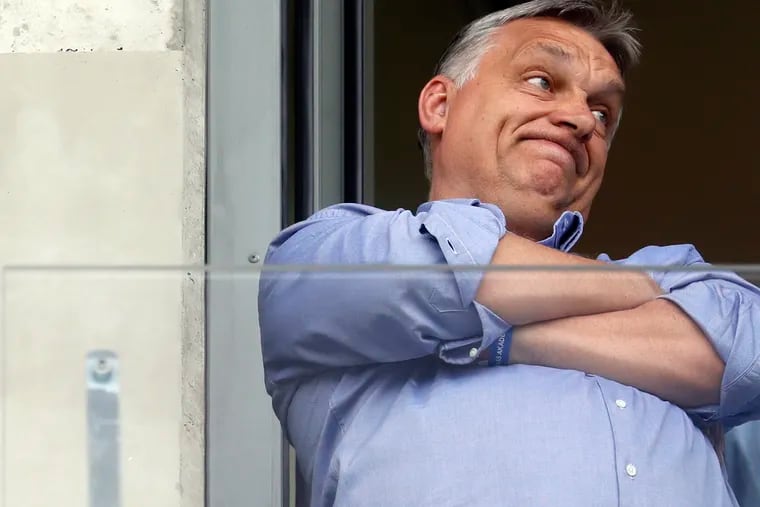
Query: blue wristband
[498, 352]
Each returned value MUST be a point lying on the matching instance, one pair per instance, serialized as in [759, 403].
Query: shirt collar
[567, 229]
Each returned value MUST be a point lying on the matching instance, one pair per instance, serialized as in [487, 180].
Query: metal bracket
[102, 369]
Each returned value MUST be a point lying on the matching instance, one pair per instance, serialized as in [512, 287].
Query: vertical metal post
[353, 46]
[318, 106]
[290, 152]
[303, 81]
[102, 378]
[244, 204]
[368, 106]
[328, 86]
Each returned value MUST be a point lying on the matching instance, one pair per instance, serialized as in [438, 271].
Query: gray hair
[608, 22]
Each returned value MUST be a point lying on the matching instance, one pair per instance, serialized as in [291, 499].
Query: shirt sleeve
[312, 321]
[727, 309]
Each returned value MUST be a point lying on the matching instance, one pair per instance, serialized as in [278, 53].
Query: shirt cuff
[496, 333]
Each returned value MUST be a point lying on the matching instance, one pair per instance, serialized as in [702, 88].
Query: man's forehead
[555, 37]
[550, 48]
[557, 40]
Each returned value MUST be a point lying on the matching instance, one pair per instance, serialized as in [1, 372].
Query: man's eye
[602, 117]
[541, 82]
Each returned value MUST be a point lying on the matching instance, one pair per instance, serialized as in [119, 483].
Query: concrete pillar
[102, 148]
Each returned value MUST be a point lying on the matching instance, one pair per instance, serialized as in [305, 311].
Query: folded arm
[697, 345]
[654, 347]
[536, 294]
[311, 322]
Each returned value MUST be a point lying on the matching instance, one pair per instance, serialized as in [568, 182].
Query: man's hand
[655, 347]
[527, 296]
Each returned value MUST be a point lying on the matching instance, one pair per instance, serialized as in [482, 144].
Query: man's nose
[578, 118]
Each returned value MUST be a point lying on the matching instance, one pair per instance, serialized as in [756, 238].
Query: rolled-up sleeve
[312, 321]
[727, 309]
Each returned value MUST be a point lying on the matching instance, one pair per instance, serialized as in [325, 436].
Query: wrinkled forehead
[554, 39]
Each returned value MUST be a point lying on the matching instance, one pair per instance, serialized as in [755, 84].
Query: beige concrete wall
[91, 25]
[101, 163]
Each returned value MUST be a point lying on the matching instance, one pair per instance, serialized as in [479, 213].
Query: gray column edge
[243, 446]
[193, 395]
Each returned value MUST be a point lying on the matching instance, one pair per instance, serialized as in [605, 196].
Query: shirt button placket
[630, 469]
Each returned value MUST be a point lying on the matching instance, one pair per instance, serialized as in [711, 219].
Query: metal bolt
[254, 259]
[102, 370]
[102, 366]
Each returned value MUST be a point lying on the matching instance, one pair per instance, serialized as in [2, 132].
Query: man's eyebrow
[612, 87]
[554, 50]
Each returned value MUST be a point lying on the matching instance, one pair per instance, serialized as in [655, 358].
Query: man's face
[530, 132]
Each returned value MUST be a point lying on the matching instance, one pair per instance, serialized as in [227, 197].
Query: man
[555, 387]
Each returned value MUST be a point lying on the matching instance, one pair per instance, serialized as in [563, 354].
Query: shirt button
[473, 353]
[621, 404]
[631, 470]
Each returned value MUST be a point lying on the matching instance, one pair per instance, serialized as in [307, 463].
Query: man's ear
[433, 104]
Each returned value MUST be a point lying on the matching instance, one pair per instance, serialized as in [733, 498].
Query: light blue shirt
[743, 463]
[376, 382]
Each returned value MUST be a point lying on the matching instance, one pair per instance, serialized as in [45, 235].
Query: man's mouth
[557, 153]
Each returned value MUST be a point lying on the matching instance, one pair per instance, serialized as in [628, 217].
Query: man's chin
[554, 201]
[540, 225]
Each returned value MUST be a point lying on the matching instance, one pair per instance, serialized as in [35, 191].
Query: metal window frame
[285, 138]
[334, 103]
[244, 208]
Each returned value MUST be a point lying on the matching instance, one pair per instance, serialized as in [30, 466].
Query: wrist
[518, 351]
[499, 353]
